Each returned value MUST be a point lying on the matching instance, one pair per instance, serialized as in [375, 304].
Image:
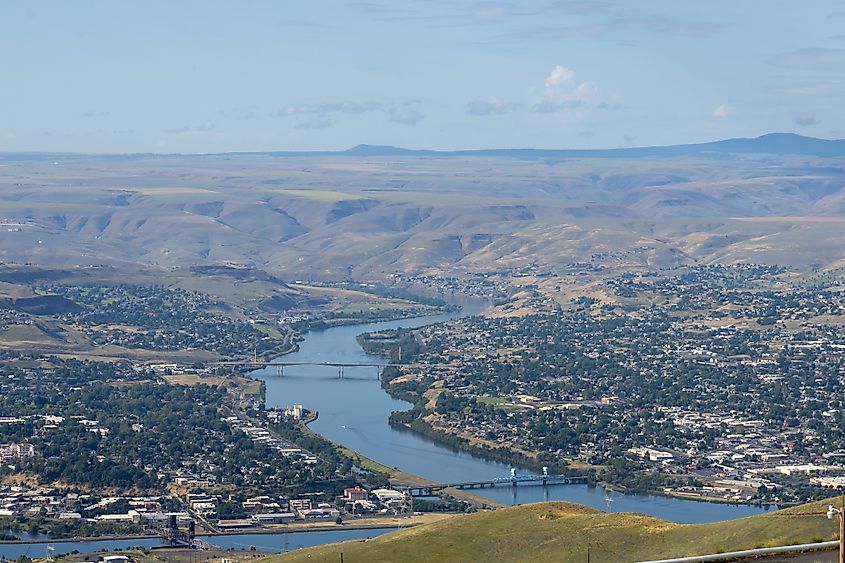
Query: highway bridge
[340, 366]
[258, 364]
[513, 480]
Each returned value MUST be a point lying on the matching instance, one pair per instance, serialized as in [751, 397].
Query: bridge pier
[340, 372]
[280, 371]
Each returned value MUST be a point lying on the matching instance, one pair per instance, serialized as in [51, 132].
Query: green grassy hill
[559, 531]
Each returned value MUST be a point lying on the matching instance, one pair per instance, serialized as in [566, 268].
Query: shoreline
[402, 476]
[399, 475]
[393, 473]
[306, 528]
[474, 451]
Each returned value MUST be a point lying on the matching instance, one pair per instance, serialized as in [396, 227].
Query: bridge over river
[281, 365]
[513, 480]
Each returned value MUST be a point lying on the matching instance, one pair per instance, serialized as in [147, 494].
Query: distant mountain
[772, 143]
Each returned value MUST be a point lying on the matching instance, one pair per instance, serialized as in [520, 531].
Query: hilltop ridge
[561, 531]
[770, 200]
[770, 143]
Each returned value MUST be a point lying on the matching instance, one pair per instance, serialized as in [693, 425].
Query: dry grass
[560, 531]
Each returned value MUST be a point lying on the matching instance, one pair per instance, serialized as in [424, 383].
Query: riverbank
[421, 419]
[395, 475]
[519, 459]
[358, 523]
[354, 413]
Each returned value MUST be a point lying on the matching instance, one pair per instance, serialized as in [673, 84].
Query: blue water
[271, 543]
[354, 411]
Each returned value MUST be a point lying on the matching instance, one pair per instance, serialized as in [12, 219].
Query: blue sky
[213, 76]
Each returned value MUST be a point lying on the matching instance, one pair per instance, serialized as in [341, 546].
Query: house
[355, 493]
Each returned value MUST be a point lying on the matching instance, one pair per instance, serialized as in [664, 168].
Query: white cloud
[561, 95]
[564, 94]
[721, 111]
[559, 75]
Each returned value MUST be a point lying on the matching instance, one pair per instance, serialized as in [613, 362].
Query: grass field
[561, 531]
[492, 400]
[191, 379]
[325, 196]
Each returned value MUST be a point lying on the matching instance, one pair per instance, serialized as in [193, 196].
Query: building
[316, 513]
[294, 412]
[355, 493]
[299, 504]
[235, 524]
[16, 451]
[652, 454]
[385, 495]
[274, 518]
[834, 482]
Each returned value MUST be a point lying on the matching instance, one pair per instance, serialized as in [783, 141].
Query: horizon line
[351, 151]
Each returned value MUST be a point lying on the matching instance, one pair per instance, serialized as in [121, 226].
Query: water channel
[354, 411]
[269, 543]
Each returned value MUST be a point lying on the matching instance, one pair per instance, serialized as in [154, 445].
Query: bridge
[281, 365]
[514, 480]
[260, 364]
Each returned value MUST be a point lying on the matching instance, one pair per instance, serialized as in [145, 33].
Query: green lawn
[491, 400]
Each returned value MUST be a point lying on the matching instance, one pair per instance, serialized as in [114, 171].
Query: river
[269, 543]
[354, 411]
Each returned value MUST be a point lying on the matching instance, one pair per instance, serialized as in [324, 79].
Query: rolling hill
[559, 531]
[372, 211]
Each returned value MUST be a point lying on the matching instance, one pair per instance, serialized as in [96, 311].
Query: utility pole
[842, 531]
[840, 512]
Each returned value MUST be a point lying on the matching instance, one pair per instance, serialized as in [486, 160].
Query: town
[718, 383]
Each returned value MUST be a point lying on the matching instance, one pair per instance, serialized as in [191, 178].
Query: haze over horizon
[220, 77]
